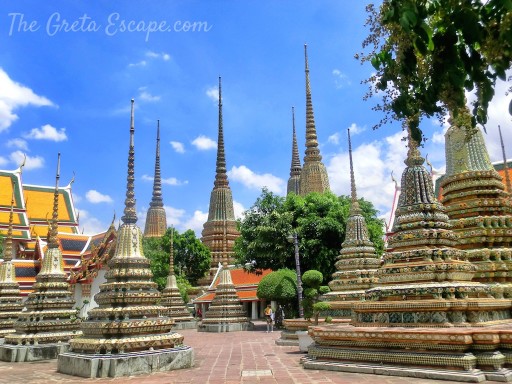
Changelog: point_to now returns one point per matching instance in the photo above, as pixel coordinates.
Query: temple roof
(245, 283)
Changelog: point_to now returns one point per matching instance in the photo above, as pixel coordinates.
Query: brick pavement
(227, 358)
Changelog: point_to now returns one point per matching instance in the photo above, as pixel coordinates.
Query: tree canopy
(280, 285)
(429, 52)
(191, 257)
(319, 221)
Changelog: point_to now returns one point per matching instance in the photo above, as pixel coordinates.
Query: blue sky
(67, 88)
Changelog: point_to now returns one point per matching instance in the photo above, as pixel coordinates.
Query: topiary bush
(312, 278)
(280, 285)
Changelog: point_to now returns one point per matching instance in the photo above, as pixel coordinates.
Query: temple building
(479, 208)
(226, 312)
(357, 264)
(49, 319)
(10, 296)
(32, 210)
(246, 285)
(313, 177)
(172, 300)
(425, 317)
(295, 168)
(156, 220)
(128, 333)
(220, 230)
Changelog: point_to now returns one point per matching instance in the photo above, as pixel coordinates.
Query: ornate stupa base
(288, 338)
(28, 353)
(125, 364)
(470, 354)
(225, 327)
(178, 325)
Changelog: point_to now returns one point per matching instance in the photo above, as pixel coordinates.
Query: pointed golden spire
(505, 165)
(354, 208)
(295, 168)
(130, 215)
(52, 238)
(413, 153)
(156, 201)
(8, 240)
(312, 151)
(221, 178)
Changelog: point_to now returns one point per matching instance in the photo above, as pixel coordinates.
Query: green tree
(280, 286)
(313, 288)
(319, 221)
(428, 53)
(191, 257)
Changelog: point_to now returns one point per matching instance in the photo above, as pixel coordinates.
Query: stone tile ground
(227, 358)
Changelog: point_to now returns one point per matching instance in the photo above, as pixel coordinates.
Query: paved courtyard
(236, 357)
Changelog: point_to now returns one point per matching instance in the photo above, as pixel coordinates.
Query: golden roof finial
(23, 163)
(52, 238)
(130, 214)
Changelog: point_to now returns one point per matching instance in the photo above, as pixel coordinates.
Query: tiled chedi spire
(220, 231)
(479, 208)
(156, 221)
(171, 297)
(422, 264)
(508, 182)
(128, 318)
(358, 262)
(313, 177)
(10, 296)
(225, 307)
(295, 168)
(50, 316)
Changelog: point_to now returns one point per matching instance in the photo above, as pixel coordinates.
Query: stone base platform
(472, 376)
(27, 353)
(125, 364)
(288, 338)
(184, 325)
(225, 327)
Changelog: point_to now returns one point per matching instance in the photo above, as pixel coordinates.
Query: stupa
(425, 318)
(313, 177)
(10, 295)
(220, 230)
(357, 262)
(295, 168)
(49, 319)
(479, 208)
(172, 300)
(225, 313)
(156, 220)
(127, 334)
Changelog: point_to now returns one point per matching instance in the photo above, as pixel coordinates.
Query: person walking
(269, 317)
(279, 316)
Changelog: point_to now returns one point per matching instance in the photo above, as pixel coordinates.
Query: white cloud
(96, 197)
(196, 222)
(18, 143)
(47, 132)
(90, 225)
(373, 163)
(3, 161)
(204, 143)
(356, 129)
(177, 146)
(141, 63)
(168, 181)
(238, 209)
(253, 180)
(340, 79)
(334, 139)
(213, 93)
(32, 162)
(13, 95)
(153, 55)
(144, 95)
